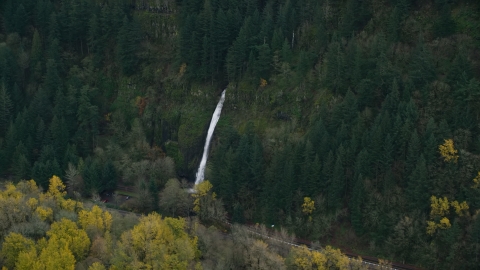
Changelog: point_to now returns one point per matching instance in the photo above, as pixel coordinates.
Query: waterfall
(216, 115)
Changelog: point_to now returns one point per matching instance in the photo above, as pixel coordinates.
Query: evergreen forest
(350, 123)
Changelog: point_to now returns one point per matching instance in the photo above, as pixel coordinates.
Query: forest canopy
(369, 109)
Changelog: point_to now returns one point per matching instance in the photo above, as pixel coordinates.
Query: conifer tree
(394, 25)
(365, 93)
(236, 56)
(375, 146)
(41, 16)
(92, 174)
(44, 168)
(460, 69)
(9, 144)
(277, 40)
(94, 40)
(335, 67)
(388, 151)
(413, 152)
(267, 26)
(221, 39)
(335, 189)
(8, 15)
(77, 26)
(21, 164)
(256, 165)
(127, 44)
(286, 186)
(348, 21)
(53, 29)
(316, 181)
(430, 142)
(263, 62)
(88, 118)
(429, 149)
(36, 52)
(105, 19)
(417, 190)
(59, 137)
(20, 20)
(39, 135)
(328, 166)
(206, 67)
(109, 176)
(71, 156)
(60, 109)
(307, 169)
(357, 198)
(393, 98)
(6, 107)
(444, 26)
(422, 69)
(185, 38)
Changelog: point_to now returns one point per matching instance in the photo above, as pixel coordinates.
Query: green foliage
(127, 45)
(6, 107)
(355, 99)
(444, 26)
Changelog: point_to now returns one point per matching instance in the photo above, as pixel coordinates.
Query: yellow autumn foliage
(448, 152)
(336, 259)
(202, 190)
(444, 223)
(304, 259)
(97, 266)
(32, 203)
(102, 220)
(10, 192)
(13, 244)
(57, 255)
(54, 255)
(431, 227)
(45, 213)
(263, 82)
(76, 239)
(439, 207)
(460, 208)
(329, 258)
(308, 206)
(68, 204)
(183, 68)
(476, 181)
(155, 243)
(32, 185)
(28, 260)
(56, 188)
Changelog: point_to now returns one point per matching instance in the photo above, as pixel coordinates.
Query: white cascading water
(216, 115)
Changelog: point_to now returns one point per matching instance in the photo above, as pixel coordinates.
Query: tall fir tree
(417, 189)
(127, 45)
(335, 189)
(6, 108)
(358, 194)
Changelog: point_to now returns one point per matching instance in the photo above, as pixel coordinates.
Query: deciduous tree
(448, 152)
(12, 246)
(74, 239)
(173, 198)
(156, 243)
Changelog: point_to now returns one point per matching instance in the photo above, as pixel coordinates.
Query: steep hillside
(369, 108)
